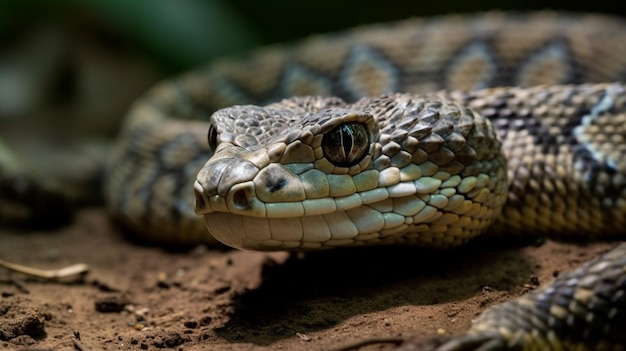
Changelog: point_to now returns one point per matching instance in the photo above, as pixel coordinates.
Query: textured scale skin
(563, 142)
(566, 164)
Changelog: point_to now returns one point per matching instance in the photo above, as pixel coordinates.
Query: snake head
(272, 164)
(305, 175)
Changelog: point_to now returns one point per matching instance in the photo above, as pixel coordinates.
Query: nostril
(240, 199)
(201, 200)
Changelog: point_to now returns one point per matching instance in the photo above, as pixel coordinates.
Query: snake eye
(212, 137)
(346, 144)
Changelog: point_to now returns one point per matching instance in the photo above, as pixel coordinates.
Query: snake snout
(219, 186)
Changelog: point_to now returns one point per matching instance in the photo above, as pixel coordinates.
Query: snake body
(544, 155)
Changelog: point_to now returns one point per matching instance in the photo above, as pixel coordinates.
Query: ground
(145, 298)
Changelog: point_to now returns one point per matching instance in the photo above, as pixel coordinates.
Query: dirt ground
(145, 298)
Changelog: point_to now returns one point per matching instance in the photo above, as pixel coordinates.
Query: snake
(426, 132)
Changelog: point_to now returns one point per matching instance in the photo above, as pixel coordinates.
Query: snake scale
(504, 124)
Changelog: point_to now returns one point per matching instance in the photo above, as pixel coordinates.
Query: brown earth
(146, 298)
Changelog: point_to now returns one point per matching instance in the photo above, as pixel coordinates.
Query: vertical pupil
(347, 141)
(345, 144)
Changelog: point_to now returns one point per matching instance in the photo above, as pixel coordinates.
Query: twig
(51, 274)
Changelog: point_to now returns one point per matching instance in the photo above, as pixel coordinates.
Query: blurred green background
(177, 34)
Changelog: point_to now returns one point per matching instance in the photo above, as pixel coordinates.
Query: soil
(142, 297)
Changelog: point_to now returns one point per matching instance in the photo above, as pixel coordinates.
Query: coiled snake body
(396, 167)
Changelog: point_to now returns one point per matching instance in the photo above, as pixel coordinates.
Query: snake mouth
(270, 234)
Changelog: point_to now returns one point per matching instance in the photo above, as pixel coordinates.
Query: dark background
(182, 33)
